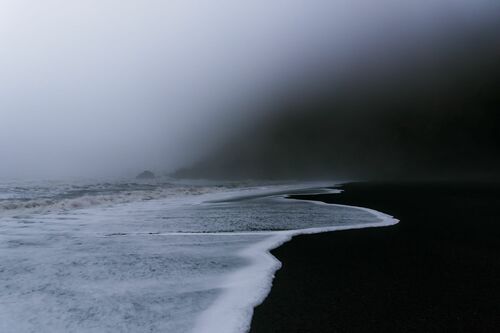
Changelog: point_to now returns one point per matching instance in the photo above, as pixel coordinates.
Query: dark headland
(438, 270)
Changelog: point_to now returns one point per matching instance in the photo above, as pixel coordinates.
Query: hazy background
(112, 87)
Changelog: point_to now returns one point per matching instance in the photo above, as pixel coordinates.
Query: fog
(113, 87)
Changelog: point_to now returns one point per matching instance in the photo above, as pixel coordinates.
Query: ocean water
(157, 256)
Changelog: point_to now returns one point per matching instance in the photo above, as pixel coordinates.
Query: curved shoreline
(247, 288)
(438, 271)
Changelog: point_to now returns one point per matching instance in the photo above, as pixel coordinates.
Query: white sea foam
(248, 287)
(196, 260)
(81, 197)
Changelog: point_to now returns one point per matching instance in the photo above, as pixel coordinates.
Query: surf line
(248, 287)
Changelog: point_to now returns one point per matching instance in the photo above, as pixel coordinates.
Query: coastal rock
(146, 175)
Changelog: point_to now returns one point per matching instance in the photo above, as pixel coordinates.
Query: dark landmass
(438, 270)
(416, 107)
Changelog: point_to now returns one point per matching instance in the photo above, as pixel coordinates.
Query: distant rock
(146, 175)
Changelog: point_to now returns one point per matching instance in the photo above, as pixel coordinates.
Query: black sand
(438, 270)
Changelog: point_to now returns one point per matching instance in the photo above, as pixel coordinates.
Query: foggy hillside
(248, 89)
(411, 110)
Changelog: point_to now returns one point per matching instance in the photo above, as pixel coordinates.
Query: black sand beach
(438, 270)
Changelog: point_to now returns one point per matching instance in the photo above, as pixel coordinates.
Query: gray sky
(103, 87)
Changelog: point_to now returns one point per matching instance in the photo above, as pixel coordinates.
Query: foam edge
(248, 287)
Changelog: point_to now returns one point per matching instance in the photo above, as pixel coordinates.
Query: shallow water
(163, 258)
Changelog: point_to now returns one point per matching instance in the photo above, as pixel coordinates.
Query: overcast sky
(103, 87)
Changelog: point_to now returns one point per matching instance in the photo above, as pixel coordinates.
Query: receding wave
(195, 260)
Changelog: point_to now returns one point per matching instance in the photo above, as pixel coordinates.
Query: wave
(54, 198)
(247, 288)
(198, 261)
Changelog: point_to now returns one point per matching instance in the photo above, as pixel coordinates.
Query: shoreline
(434, 271)
(253, 283)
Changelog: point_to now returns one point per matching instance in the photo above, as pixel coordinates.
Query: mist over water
(100, 88)
(94, 92)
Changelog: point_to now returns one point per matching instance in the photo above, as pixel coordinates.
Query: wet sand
(438, 270)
